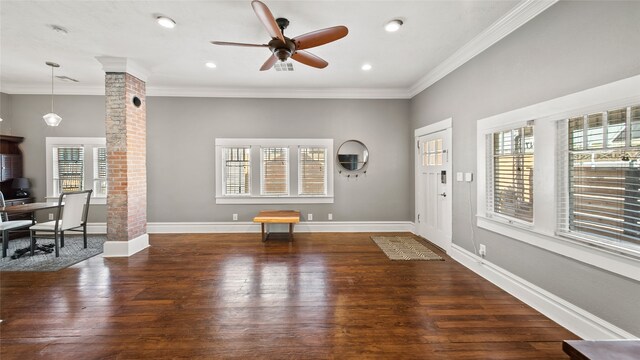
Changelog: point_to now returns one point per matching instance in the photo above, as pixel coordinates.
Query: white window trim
(255, 197)
(541, 233)
(51, 142)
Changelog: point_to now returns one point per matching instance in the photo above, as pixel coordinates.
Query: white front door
(433, 185)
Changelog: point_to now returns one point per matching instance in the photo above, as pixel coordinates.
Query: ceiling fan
(283, 47)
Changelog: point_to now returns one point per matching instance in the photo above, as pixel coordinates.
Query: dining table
(29, 208)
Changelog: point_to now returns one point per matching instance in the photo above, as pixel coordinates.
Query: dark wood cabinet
(10, 163)
(11, 166)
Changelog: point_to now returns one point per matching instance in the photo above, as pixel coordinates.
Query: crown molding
(291, 93)
(518, 16)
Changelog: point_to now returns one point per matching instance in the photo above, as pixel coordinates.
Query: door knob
(443, 194)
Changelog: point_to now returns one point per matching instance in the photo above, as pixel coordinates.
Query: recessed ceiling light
(211, 65)
(366, 67)
(393, 25)
(166, 22)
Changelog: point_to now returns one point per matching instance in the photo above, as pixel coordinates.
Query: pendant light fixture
(52, 119)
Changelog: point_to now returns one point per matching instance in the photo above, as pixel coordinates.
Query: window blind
(600, 172)
(69, 169)
(274, 177)
(510, 176)
(100, 171)
(237, 179)
(312, 171)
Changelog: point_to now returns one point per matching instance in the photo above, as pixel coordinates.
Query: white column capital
(123, 65)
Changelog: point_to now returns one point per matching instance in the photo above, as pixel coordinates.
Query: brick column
(126, 161)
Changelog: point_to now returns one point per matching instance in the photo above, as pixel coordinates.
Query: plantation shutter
(600, 175)
(510, 173)
(274, 179)
(237, 179)
(100, 171)
(312, 171)
(69, 169)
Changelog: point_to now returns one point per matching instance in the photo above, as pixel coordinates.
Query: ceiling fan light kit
(282, 48)
(52, 119)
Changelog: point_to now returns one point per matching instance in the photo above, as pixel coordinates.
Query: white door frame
(426, 130)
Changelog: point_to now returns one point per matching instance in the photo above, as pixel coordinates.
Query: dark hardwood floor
(230, 296)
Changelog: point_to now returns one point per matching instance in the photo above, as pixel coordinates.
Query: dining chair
(70, 215)
(6, 225)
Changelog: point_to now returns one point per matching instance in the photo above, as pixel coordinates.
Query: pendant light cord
(52, 89)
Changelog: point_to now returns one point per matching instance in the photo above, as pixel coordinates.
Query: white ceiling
(174, 59)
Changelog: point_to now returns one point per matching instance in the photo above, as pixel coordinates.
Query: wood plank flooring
(230, 296)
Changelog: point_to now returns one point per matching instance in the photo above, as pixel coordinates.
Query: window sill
(254, 200)
(95, 200)
(622, 262)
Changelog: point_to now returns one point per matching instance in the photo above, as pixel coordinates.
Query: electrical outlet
(483, 250)
(50, 216)
(310, 217)
(235, 217)
(330, 216)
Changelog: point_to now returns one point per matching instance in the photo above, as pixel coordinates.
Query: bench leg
(290, 231)
(264, 237)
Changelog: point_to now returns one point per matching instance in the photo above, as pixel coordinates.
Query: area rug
(72, 253)
(404, 248)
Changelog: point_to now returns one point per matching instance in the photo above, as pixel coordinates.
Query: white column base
(126, 248)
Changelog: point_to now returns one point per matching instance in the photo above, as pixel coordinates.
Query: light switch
(459, 176)
(468, 177)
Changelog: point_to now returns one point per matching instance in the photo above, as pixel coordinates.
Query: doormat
(404, 248)
(72, 253)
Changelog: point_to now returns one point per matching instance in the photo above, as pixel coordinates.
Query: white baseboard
(573, 318)
(126, 248)
(96, 228)
(306, 226)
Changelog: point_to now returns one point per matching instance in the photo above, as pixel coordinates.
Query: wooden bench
(277, 217)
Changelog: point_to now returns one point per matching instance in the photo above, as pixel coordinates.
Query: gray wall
(570, 47)
(181, 133)
(180, 150)
(5, 114)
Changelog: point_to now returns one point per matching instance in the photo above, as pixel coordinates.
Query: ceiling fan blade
(267, 19)
(320, 37)
(238, 44)
(269, 63)
(308, 58)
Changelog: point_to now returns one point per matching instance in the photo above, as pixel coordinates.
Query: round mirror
(353, 155)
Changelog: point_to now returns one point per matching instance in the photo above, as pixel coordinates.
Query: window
(100, 171)
(269, 180)
(431, 153)
(585, 186)
(69, 170)
(312, 171)
(237, 178)
(510, 176)
(274, 174)
(75, 164)
(601, 172)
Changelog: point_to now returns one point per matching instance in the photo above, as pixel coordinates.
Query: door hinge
(418, 144)
(418, 217)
